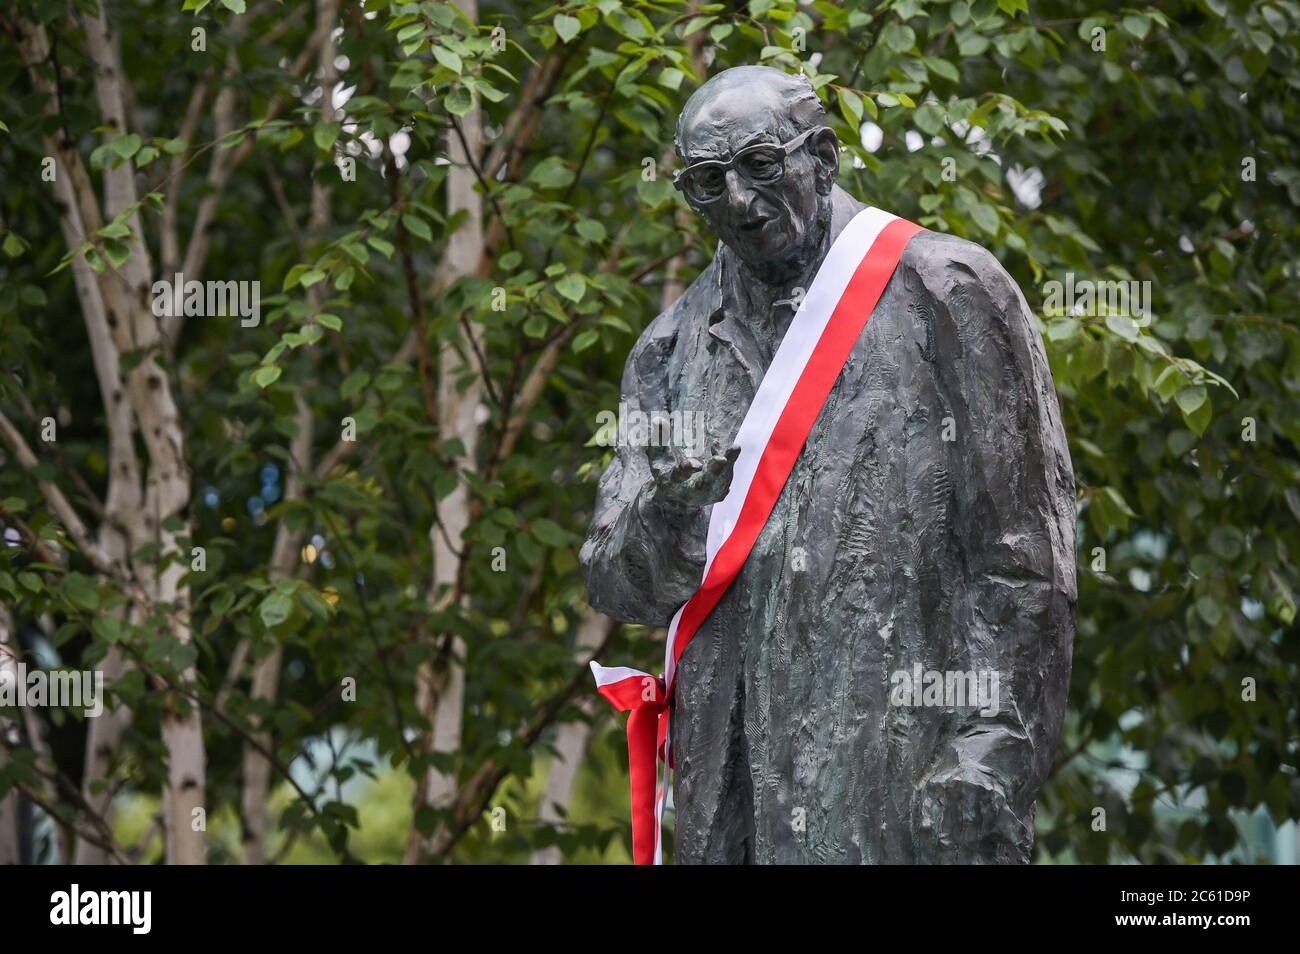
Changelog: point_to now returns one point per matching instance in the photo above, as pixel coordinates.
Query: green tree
(460, 216)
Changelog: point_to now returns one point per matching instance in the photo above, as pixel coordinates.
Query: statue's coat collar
(730, 306)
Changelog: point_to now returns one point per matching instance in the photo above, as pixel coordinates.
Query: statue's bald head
(775, 211)
(787, 101)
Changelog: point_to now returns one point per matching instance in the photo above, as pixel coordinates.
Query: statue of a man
(922, 544)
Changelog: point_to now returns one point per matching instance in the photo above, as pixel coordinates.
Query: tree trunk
(570, 745)
(103, 737)
(10, 737)
(458, 411)
(284, 554)
(167, 487)
(122, 527)
(266, 672)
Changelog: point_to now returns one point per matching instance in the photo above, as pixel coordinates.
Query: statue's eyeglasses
(763, 163)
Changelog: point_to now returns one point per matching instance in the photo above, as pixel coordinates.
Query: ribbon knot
(646, 698)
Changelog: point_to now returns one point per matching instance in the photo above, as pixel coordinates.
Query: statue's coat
(889, 546)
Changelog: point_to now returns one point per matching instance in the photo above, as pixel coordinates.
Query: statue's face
(761, 222)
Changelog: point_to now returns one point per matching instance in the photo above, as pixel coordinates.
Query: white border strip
(608, 675)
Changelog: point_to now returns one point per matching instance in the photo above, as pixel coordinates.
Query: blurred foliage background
(325, 158)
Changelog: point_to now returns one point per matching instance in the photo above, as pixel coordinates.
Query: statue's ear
(825, 148)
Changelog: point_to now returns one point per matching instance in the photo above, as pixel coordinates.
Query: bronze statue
(926, 531)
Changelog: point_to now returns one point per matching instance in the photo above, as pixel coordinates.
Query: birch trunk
(10, 737)
(457, 419)
(284, 553)
(122, 527)
(266, 672)
(167, 489)
(570, 745)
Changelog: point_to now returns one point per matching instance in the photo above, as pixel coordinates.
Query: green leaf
(1168, 382)
(109, 628)
(1190, 399)
(1062, 329)
(448, 59)
(274, 610)
(1226, 542)
(80, 590)
(293, 276)
(1201, 408)
(986, 217)
(1209, 610)
(1124, 326)
(572, 286)
(115, 230)
(589, 229)
(671, 78)
(117, 252)
(324, 135)
(458, 101)
(410, 31)
(126, 146)
(353, 384)
(566, 27)
(695, 24)
(417, 226)
(850, 106)
(549, 532)
(942, 68)
(222, 602)
(1136, 25)
(314, 603)
(234, 6)
(928, 118)
(551, 173)
(266, 375)
(898, 37)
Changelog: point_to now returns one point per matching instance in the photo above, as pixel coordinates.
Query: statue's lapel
(730, 321)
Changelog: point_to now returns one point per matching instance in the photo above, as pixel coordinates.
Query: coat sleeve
(1014, 525)
(641, 561)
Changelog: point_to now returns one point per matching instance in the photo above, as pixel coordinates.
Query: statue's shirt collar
(747, 314)
(734, 313)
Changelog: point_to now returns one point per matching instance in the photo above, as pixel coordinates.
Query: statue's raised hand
(684, 482)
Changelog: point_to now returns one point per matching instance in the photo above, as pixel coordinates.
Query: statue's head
(759, 163)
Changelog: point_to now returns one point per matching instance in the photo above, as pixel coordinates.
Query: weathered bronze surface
(929, 522)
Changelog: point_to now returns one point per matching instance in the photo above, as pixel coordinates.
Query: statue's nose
(739, 195)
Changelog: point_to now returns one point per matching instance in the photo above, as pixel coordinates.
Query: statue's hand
(965, 810)
(684, 483)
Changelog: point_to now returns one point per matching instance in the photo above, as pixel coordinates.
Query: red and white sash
(811, 356)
